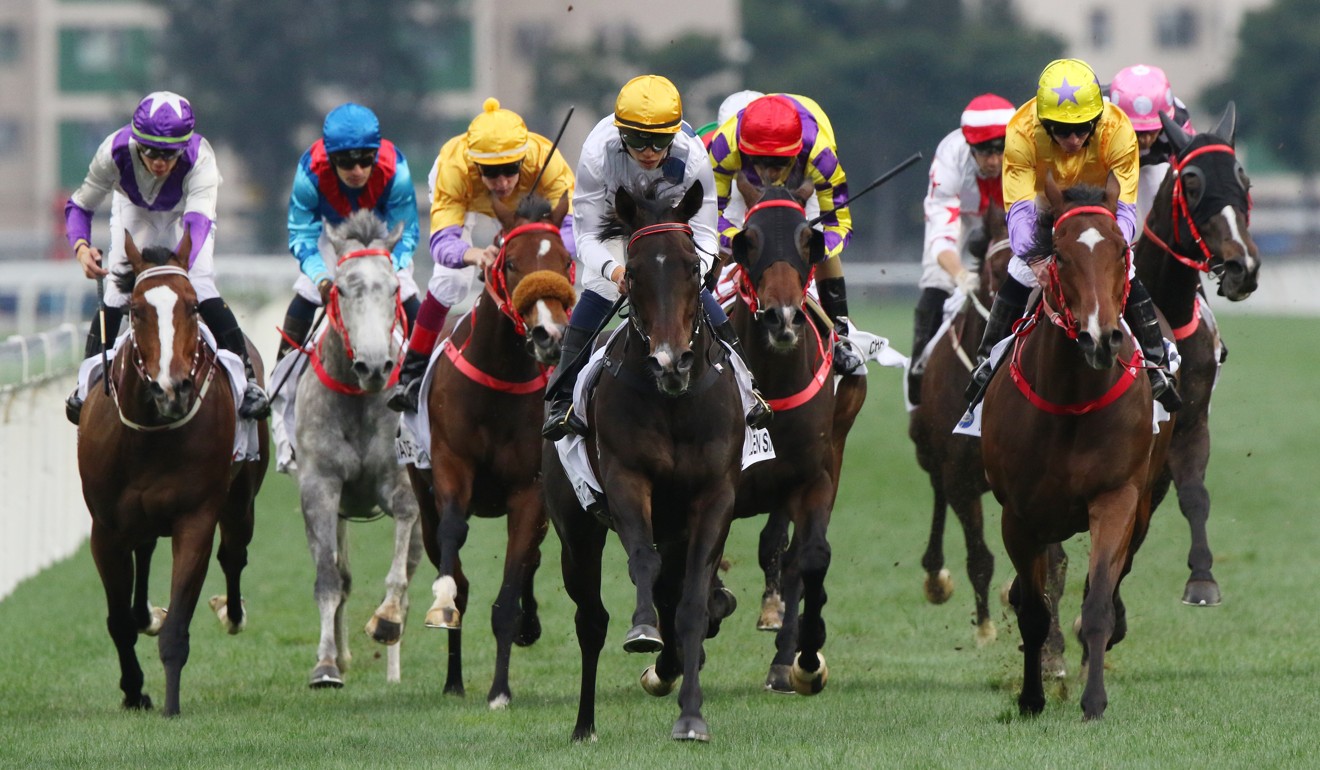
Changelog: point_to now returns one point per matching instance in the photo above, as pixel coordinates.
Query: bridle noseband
(1208, 262)
(334, 314)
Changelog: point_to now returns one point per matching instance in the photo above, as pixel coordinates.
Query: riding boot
(93, 347)
(406, 393)
(834, 300)
(220, 319)
(1003, 313)
(760, 414)
(1140, 316)
(925, 322)
(560, 419)
(295, 329)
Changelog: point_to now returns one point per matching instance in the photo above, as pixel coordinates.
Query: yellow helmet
(496, 136)
(649, 103)
(1068, 92)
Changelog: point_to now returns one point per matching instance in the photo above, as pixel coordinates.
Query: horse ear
(750, 194)
(740, 247)
(1227, 125)
(691, 203)
(804, 191)
(183, 252)
(1177, 137)
(395, 234)
(1112, 190)
(134, 256)
(811, 244)
(561, 211)
(1053, 194)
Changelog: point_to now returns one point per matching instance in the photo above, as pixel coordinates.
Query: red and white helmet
(986, 118)
(1143, 92)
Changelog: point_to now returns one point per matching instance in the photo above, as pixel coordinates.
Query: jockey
(349, 168)
(1070, 131)
(781, 140)
(163, 182)
(964, 180)
(497, 158)
(645, 141)
(1143, 92)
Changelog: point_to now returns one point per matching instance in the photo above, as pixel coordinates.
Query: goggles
(502, 169)
(1064, 130)
(354, 159)
(645, 140)
(990, 147)
(158, 153)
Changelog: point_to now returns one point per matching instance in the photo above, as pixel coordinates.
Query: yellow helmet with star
(649, 103)
(496, 136)
(1069, 92)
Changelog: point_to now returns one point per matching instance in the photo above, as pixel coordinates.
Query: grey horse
(347, 467)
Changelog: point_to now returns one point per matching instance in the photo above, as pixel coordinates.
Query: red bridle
(1061, 315)
(1180, 208)
(336, 318)
(497, 283)
(742, 282)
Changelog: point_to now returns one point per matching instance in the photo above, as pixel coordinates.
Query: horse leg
(386, 623)
(582, 539)
(770, 553)
(453, 491)
(1188, 457)
(939, 583)
(320, 505)
(780, 678)
(1052, 662)
(659, 679)
(526, 526)
(236, 525)
(115, 566)
(630, 502)
(454, 658)
(966, 503)
(708, 529)
(1112, 518)
(149, 619)
(341, 612)
(191, 543)
(1032, 606)
(809, 672)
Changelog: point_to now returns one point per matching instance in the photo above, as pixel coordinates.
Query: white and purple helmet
(163, 119)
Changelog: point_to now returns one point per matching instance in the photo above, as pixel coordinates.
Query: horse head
(663, 278)
(166, 349)
(532, 278)
(1087, 273)
(1210, 206)
(364, 306)
(777, 250)
(992, 262)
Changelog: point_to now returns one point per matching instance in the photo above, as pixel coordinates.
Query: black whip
(100, 314)
(885, 177)
(553, 147)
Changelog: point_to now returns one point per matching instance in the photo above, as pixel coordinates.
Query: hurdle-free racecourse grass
(1232, 686)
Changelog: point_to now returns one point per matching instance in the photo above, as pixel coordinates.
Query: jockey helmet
(735, 103)
(1068, 92)
(351, 127)
(496, 136)
(649, 103)
(986, 118)
(163, 119)
(770, 127)
(1143, 92)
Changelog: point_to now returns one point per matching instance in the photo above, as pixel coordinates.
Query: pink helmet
(986, 118)
(1143, 92)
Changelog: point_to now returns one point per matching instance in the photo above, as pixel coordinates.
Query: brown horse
(485, 404)
(155, 456)
(1197, 225)
(1067, 436)
(953, 461)
(665, 439)
(791, 358)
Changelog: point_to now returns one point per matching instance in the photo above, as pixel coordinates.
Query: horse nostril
(540, 337)
(654, 366)
(184, 388)
(799, 318)
(685, 361)
(1115, 339)
(155, 388)
(360, 369)
(389, 366)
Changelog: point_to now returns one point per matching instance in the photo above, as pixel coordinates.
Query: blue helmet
(351, 127)
(163, 119)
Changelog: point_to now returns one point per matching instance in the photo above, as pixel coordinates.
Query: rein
(1207, 263)
(335, 316)
(818, 377)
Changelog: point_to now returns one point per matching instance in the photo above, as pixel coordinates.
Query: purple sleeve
(447, 246)
(566, 232)
(1022, 226)
(1127, 220)
(197, 226)
(77, 224)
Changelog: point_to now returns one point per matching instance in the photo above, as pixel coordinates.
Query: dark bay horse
(485, 406)
(156, 459)
(791, 358)
(1197, 225)
(953, 461)
(1067, 435)
(665, 441)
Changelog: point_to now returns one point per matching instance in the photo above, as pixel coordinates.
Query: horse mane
(1043, 243)
(651, 200)
(363, 226)
(153, 255)
(534, 208)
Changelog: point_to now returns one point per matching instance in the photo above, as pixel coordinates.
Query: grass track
(1222, 687)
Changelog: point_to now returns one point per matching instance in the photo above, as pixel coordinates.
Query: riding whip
(885, 177)
(553, 147)
(100, 314)
(311, 335)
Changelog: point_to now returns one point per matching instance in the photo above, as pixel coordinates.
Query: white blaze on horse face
(163, 299)
(664, 355)
(544, 248)
(544, 318)
(1089, 238)
(1230, 216)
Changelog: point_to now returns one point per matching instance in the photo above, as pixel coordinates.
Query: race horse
(951, 460)
(1197, 225)
(344, 432)
(155, 452)
(665, 441)
(485, 405)
(1067, 434)
(791, 356)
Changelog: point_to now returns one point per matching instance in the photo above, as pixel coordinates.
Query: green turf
(1222, 687)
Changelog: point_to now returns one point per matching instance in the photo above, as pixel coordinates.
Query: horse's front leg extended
(629, 496)
(115, 566)
(236, 525)
(386, 623)
(191, 543)
(1029, 601)
(770, 553)
(809, 672)
(1112, 517)
(149, 619)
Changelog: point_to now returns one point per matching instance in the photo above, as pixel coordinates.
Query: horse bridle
(1209, 262)
(659, 229)
(745, 284)
(497, 282)
(1061, 315)
(336, 318)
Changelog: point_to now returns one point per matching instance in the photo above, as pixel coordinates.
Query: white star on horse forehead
(161, 98)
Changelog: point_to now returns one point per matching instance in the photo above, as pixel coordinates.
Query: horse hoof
(141, 703)
(384, 631)
(325, 676)
(498, 703)
(643, 638)
(779, 680)
(722, 604)
(986, 633)
(1202, 593)
(691, 729)
(772, 613)
(1004, 592)
(939, 587)
(809, 682)
(654, 685)
(158, 615)
(444, 618)
(529, 632)
(220, 606)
